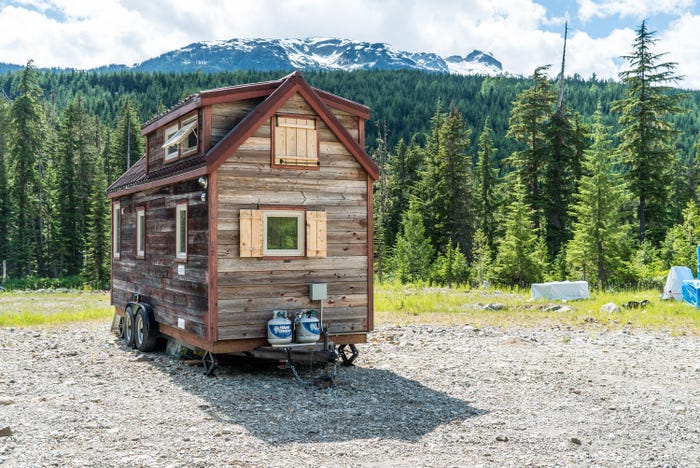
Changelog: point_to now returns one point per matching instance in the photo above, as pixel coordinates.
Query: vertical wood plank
(316, 234)
(251, 233)
(291, 141)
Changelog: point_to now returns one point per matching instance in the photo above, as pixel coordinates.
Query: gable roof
(276, 93)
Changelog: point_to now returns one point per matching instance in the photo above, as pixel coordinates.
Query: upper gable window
(296, 141)
(181, 139)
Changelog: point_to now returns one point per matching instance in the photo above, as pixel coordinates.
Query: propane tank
(279, 328)
(307, 326)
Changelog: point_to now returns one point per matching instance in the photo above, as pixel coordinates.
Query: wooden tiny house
(246, 196)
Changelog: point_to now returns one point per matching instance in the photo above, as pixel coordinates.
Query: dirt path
(419, 396)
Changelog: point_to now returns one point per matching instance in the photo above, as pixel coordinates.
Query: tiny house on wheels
(250, 199)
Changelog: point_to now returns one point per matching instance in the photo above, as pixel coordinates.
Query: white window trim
(140, 232)
(116, 230)
(191, 125)
(170, 132)
(301, 229)
(180, 255)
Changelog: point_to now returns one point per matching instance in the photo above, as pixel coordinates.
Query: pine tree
(4, 199)
(413, 254)
(402, 177)
(598, 248)
(487, 203)
(531, 111)
(446, 187)
(517, 259)
(127, 144)
(451, 267)
(647, 136)
(25, 150)
(680, 244)
(482, 258)
(382, 204)
(96, 270)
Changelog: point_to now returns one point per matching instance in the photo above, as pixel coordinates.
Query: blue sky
(522, 34)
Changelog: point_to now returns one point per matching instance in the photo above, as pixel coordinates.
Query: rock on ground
(418, 396)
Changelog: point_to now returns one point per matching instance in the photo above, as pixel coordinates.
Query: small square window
(283, 233)
(171, 150)
(181, 139)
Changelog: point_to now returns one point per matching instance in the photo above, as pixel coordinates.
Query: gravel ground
(418, 396)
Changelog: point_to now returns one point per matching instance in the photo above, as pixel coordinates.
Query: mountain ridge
(313, 53)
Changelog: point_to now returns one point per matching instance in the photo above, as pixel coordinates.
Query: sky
(522, 34)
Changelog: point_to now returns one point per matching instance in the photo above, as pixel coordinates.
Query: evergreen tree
(487, 202)
(76, 161)
(25, 150)
(647, 136)
(4, 199)
(529, 115)
(382, 205)
(450, 267)
(680, 244)
(482, 258)
(97, 253)
(413, 254)
(600, 232)
(517, 259)
(402, 176)
(447, 185)
(127, 144)
(558, 181)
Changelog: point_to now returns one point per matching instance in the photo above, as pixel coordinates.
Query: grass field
(403, 305)
(52, 308)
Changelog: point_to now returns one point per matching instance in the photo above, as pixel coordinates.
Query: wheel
(128, 327)
(348, 356)
(145, 336)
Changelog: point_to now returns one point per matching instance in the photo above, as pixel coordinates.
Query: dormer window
(181, 139)
(296, 141)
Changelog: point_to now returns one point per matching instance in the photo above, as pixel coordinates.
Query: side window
(171, 149)
(296, 141)
(116, 230)
(140, 232)
(181, 139)
(181, 231)
(282, 233)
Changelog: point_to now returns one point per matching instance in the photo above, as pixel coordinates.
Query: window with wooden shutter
(316, 234)
(296, 141)
(250, 232)
(282, 233)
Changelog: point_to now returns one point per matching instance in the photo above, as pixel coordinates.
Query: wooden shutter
(251, 233)
(316, 234)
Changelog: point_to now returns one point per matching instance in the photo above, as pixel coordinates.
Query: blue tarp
(691, 292)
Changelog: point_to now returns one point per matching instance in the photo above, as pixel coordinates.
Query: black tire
(145, 335)
(128, 327)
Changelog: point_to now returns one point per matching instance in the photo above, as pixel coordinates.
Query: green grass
(25, 309)
(401, 304)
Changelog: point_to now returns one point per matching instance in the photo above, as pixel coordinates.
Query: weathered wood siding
(250, 288)
(226, 116)
(156, 277)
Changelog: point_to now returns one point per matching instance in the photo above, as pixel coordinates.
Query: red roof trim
(171, 115)
(346, 105)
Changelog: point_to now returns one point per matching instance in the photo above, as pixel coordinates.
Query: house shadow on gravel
(362, 404)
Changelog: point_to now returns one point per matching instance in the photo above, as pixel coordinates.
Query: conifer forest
(483, 179)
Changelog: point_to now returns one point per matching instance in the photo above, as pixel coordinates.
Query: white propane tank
(279, 328)
(307, 327)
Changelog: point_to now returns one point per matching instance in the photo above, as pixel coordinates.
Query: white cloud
(681, 43)
(86, 33)
(639, 9)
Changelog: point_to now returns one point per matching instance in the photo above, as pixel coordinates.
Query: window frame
(169, 155)
(141, 232)
(116, 230)
(300, 215)
(303, 163)
(183, 139)
(181, 255)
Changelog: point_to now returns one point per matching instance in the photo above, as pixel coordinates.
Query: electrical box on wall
(318, 291)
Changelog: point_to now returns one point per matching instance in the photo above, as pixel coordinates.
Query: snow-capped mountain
(313, 54)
